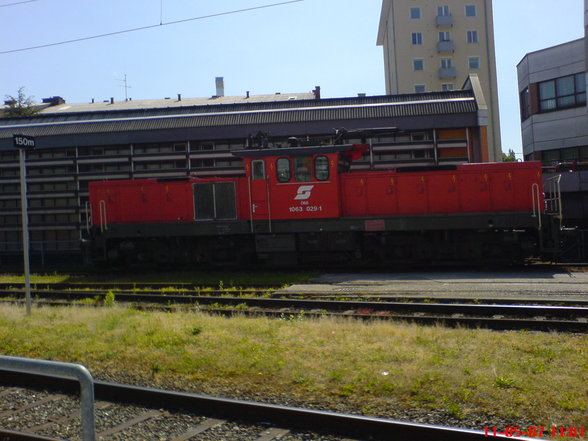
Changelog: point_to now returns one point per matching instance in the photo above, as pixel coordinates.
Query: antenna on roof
(126, 86)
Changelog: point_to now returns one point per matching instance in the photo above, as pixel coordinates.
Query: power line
(17, 3)
(109, 34)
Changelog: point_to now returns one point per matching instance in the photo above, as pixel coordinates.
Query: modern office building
(79, 143)
(554, 119)
(432, 46)
(554, 114)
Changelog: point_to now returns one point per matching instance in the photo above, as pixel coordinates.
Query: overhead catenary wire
(142, 28)
(18, 3)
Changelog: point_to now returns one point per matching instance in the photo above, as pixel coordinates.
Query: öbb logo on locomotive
(304, 192)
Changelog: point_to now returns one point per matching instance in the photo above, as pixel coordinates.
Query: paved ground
(519, 283)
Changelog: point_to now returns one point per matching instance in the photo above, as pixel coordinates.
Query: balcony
(445, 46)
(444, 21)
(446, 73)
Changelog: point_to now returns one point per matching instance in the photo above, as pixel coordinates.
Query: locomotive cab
(296, 182)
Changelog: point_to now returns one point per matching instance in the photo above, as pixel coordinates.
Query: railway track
(137, 290)
(498, 314)
(49, 411)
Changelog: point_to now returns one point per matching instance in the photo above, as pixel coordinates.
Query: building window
(417, 38)
(472, 36)
(418, 64)
(525, 102)
(562, 93)
(470, 10)
(445, 36)
(446, 63)
(446, 87)
(415, 13)
(474, 62)
(443, 11)
(420, 88)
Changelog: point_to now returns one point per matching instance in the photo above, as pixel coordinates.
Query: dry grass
(540, 377)
(214, 277)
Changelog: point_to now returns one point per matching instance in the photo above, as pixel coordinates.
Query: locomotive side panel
(139, 201)
(510, 186)
(150, 201)
(467, 189)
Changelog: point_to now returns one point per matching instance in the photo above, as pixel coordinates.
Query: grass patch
(222, 279)
(541, 377)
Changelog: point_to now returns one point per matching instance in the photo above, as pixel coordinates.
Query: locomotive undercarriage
(302, 244)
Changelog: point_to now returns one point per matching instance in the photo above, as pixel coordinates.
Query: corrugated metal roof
(167, 103)
(293, 111)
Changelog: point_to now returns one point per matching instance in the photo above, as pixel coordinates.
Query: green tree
(20, 105)
(510, 157)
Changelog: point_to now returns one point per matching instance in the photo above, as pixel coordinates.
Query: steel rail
(184, 290)
(130, 286)
(496, 324)
(345, 425)
(10, 435)
(333, 305)
(410, 297)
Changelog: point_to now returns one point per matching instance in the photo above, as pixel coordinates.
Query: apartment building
(434, 46)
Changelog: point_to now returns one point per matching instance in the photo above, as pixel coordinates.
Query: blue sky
(289, 48)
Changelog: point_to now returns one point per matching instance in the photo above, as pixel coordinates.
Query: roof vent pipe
(111, 100)
(179, 97)
(220, 86)
(317, 92)
(247, 94)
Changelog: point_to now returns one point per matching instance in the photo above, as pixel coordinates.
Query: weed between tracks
(535, 377)
(218, 278)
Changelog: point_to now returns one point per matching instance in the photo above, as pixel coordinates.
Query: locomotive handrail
(536, 197)
(250, 203)
(553, 198)
(103, 218)
(89, 224)
(269, 206)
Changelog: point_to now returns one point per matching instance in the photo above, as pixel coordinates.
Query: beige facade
(433, 46)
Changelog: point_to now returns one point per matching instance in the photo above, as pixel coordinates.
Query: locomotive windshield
(283, 169)
(321, 168)
(303, 168)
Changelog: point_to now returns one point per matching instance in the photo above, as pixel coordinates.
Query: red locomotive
(304, 205)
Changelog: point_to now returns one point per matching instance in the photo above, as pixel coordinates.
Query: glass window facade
(562, 93)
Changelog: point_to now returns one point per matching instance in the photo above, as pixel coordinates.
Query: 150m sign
(24, 142)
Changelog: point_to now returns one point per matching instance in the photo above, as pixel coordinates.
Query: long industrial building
(79, 143)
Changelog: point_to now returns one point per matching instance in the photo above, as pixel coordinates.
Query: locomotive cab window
(283, 170)
(258, 169)
(303, 167)
(321, 168)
